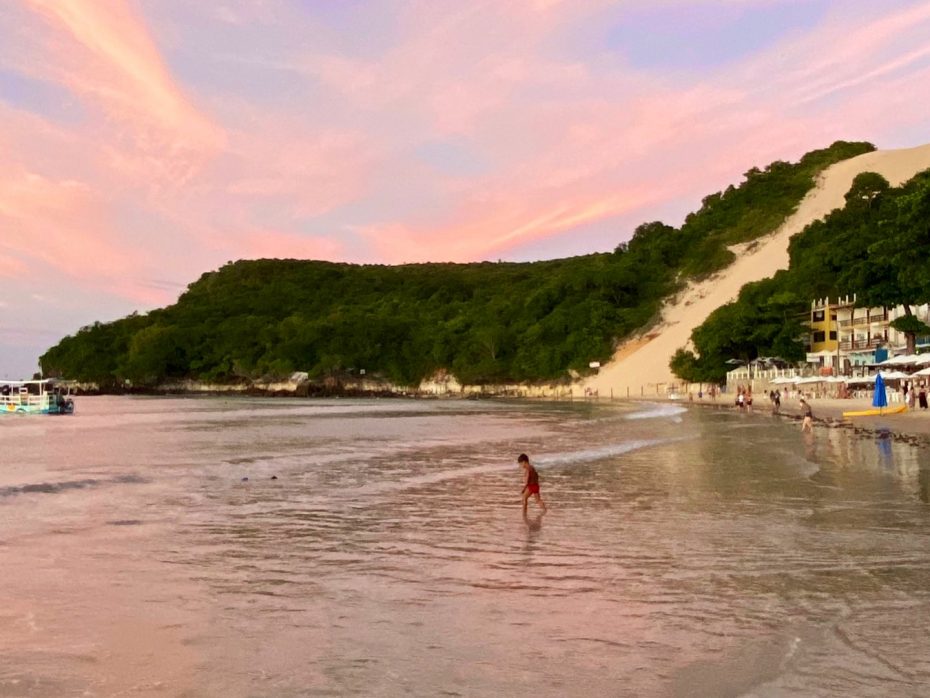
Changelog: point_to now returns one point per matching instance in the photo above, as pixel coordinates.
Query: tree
(893, 271)
(153, 355)
(762, 321)
(866, 188)
(911, 326)
(683, 365)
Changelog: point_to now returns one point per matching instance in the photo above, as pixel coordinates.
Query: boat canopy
(37, 381)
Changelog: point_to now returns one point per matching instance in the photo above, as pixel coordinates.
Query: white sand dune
(641, 365)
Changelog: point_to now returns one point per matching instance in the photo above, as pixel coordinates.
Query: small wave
(658, 411)
(593, 454)
(47, 487)
(545, 461)
(56, 487)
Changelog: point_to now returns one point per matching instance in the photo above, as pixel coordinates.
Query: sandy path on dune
(641, 365)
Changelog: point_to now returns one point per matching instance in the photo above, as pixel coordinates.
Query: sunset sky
(144, 142)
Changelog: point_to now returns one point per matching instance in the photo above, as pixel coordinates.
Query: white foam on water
(544, 462)
(657, 411)
(593, 454)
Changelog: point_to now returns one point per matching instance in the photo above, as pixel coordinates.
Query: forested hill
(484, 322)
(875, 247)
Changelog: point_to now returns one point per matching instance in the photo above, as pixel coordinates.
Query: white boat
(46, 396)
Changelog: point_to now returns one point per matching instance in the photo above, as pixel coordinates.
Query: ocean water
(685, 552)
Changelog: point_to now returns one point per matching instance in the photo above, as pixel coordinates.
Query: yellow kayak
(877, 412)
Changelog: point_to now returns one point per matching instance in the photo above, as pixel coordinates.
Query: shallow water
(685, 553)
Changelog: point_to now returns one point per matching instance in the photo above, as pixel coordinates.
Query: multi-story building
(823, 335)
(844, 335)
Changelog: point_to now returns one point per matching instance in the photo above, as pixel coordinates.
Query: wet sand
(913, 424)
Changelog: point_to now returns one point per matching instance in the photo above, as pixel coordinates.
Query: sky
(146, 142)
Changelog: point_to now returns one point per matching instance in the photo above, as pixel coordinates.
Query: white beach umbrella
(781, 380)
(858, 380)
(894, 375)
(922, 372)
(902, 360)
(922, 359)
(811, 379)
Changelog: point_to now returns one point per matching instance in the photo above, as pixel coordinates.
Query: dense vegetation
(876, 247)
(483, 322)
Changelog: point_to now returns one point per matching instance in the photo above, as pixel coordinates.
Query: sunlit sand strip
(644, 369)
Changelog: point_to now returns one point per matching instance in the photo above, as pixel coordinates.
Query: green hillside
(875, 247)
(484, 322)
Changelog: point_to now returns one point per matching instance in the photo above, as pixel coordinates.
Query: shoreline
(911, 427)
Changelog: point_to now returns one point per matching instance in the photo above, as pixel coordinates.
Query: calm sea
(685, 553)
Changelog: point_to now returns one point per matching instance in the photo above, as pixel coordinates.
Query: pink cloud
(847, 51)
(307, 175)
(102, 51)
(62, 226)
(481, 229)
(429, 66)
(12, 268)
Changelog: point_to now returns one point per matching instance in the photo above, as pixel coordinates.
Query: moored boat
(46, 396)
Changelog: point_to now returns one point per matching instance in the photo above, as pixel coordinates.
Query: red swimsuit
(532, 480)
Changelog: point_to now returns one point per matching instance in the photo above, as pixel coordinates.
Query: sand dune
(641, 365)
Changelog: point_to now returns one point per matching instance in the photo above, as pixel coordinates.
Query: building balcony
(857, 344)
(873, 319)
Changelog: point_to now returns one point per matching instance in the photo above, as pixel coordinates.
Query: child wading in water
(530, 482)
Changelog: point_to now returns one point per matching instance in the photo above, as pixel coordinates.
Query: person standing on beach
(808, 423)
(530, 483)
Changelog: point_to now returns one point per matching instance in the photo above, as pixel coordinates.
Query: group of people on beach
(914, 395)
(744, 397)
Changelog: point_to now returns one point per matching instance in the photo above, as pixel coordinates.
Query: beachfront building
(824, 337)
(844, 335)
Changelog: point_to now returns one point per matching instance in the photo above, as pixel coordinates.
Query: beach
(828, 412)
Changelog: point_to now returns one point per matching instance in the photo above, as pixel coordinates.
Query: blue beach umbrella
(879, 399)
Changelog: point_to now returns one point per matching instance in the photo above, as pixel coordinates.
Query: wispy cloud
(11, 268)
(61, 226)
(102, 52)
